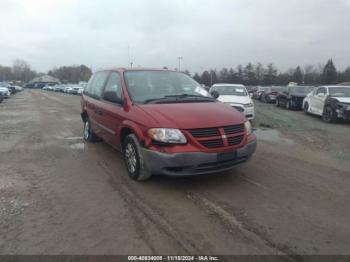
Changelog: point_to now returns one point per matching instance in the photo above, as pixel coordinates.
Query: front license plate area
(222, 157)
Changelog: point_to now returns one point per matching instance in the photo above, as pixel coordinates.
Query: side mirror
(112, 97)
(215, 94)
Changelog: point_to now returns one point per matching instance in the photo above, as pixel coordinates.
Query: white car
(80, 90)
(5, 92)
(68, 89)
(330, 102)
(237, 96)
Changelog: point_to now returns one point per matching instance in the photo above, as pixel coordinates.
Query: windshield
(230, 90)
(339, 91)
(144, 86)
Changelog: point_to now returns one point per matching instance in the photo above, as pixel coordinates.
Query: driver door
(318, 100)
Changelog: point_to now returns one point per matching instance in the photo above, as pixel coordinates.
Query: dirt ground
(59, 195)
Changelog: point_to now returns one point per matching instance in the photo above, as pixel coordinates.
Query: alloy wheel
(86, 130)
(131, 157)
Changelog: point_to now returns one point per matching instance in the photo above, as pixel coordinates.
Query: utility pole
(130, 63)
(180, 58)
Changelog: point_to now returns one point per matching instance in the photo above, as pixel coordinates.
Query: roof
(223, 84)
(124, 69)
(336, 86)
(45, 79)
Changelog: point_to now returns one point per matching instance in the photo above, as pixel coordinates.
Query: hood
(4, 89)
(235, 99)
(343, 99)
(193, 115)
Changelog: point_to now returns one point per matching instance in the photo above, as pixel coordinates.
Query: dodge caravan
(164, 122)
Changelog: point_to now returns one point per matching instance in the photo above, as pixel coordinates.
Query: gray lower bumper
(196, 163)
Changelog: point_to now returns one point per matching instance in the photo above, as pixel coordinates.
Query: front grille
(229, 130)
(215, 143)
(204, 132)
(212, 138)
(234, 141)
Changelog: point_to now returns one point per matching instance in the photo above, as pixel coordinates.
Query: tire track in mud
(230, 221)
(150, 213)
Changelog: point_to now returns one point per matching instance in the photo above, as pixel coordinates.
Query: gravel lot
(59, 195)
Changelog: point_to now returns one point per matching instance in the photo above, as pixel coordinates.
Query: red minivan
(164, 122)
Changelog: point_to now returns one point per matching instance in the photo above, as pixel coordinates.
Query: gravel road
(59, 195)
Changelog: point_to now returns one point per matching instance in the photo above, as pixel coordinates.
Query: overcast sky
(207, 34)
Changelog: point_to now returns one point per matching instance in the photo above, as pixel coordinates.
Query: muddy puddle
(272, 135)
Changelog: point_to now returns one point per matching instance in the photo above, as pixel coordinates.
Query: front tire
(306, 108)
(288, 105)
(88, 133)
(329, 115)
(134, 159)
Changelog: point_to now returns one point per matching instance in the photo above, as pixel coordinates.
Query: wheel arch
(130, 128)
(84, 116)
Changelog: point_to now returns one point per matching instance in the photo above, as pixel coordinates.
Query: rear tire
(329, 115)
(88, 133)
(278, 103)
(134, 159)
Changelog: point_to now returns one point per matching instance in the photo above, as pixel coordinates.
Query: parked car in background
(163, 123)
(18, 88)
(236, 96)
(80, 90)
(59, 88)
(5, 92)
(330, 102)
(257, 92)
(292, 97)
(269, 94)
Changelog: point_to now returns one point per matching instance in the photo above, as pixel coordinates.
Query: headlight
(248, 128)
(340, 105)
(249, 105)
(167, 135)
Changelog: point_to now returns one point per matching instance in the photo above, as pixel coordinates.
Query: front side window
(321, 90)
(98, 83)
(114, 85)
(145, 86)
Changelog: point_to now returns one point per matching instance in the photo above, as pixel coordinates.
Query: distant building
(41, 81)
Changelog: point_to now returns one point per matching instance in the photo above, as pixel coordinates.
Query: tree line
(259, 74)
(250, 74)
(21, 71)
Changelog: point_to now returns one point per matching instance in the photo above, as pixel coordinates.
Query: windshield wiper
(188, 95)
(177, 98)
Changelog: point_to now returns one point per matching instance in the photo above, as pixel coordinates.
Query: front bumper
(194, 163)
(344, 113)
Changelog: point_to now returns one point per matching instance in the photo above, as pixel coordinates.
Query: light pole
(180, 58)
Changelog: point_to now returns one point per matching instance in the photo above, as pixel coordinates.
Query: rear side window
(96, 84)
